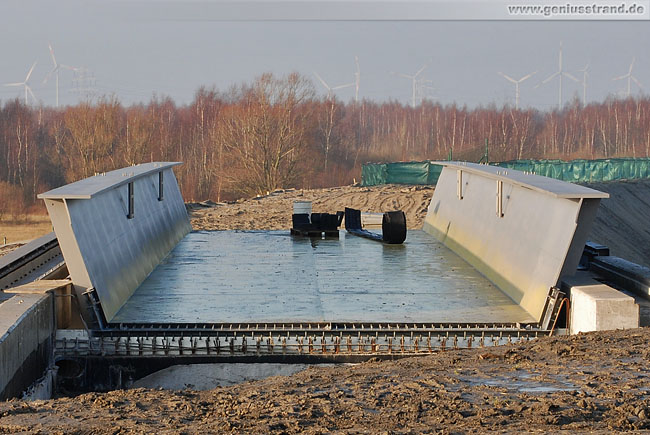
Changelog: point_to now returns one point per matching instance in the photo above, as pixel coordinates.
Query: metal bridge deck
(271, 276)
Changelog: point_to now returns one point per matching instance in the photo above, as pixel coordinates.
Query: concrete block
(598, 307)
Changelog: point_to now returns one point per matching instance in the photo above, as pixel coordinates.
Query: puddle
(521, 382)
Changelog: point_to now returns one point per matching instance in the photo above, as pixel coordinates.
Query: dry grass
(24, 229)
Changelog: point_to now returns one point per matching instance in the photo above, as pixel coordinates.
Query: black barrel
(393, 227)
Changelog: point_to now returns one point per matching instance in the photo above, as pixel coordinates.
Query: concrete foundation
(67, 313)
(599, 307)
(27, 326)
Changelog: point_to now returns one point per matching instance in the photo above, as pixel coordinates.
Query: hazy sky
(171, 48)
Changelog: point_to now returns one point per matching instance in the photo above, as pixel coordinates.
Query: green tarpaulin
(584, 171)
(373, 174)
(408, 173)
(575, 171)
(400, 173)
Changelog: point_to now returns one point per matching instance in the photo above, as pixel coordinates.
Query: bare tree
(265, 133)
(329, 115)
(92, 139)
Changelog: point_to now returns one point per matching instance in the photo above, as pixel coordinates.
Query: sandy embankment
(273, 212)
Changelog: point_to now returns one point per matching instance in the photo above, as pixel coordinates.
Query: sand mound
(273, 212)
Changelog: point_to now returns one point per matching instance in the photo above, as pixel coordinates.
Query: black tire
(316, 219)
(352, 219)
(300, 221)
(393, 227)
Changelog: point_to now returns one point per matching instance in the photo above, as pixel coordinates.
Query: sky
(134, 50)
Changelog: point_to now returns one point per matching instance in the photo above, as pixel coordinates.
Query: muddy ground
(591, 382)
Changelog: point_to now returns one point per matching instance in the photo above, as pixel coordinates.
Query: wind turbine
(424, 86)
(414, 82)
(559, 73)
(55, 70)
(357, 79)
(517, 82)
(25, 84)
(331, 88)
(585, 73)
(629, 78)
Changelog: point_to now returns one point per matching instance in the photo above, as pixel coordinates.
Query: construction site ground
(592, 382)
(589, 382)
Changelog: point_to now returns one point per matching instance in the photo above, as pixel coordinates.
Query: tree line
(275, 132)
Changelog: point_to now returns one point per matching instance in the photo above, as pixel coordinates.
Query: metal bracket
(499, 198)
(96, 305)
(552, 307)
